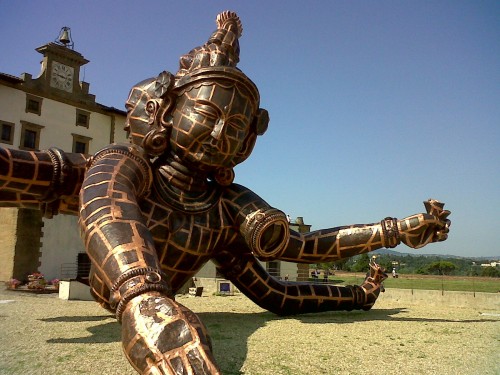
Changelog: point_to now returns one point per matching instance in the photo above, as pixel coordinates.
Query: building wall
(60, 246)
(58, 120)
(61, 240)
(23, 247)
(8, 226)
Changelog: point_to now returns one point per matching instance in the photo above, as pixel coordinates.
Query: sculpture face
(211, 122)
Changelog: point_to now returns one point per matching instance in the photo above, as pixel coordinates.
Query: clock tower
(60, 70)
(61, 76)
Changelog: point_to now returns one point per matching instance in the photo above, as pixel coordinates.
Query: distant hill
(398, 253)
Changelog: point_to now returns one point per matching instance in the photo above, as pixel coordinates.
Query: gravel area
(42, 334)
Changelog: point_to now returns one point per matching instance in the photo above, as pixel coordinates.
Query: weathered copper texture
(47, 180)
(152, 213)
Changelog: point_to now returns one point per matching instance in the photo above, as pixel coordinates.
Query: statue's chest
(181, 233)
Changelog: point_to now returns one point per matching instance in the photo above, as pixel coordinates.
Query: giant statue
(154, 211)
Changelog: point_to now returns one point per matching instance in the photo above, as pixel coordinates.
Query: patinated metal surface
(153, 212)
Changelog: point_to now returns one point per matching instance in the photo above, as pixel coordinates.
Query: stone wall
(19, 242)
(487, 301)
(27, 252)
(8, 228)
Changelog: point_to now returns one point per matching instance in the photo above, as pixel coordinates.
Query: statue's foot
(372, 286)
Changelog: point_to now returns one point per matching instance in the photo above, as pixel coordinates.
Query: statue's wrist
(259, 225)
(134, 283)
(390, 233)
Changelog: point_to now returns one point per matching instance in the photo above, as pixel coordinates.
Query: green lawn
(450, 283)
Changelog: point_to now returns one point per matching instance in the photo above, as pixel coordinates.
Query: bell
(64, 36)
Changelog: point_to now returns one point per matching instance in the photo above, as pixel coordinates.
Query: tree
(341, 265)
(422, 271)
(441, 267)
(362, 263)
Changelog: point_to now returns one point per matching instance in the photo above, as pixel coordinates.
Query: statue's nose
(218, 130)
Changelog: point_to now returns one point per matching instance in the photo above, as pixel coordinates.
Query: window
(81, 144)
(34, 104)
(7, 132)
(82, 118)
(80, 147)
(30, 136)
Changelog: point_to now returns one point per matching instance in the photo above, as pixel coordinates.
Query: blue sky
(374, 106)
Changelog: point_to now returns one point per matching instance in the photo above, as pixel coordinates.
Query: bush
(490, 272)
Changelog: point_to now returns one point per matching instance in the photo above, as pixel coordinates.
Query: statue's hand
(160, 336)
(418, 230)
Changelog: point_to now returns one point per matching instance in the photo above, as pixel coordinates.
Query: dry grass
(41, 334)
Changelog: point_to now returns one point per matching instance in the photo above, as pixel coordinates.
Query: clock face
(62, 76)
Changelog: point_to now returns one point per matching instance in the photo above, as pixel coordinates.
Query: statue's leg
(288, 298)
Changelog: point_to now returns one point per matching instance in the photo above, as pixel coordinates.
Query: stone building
(55, 109)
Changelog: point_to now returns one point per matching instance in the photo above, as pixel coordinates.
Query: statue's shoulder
(236, 189)
(125, 149)
(240, 196)
(139, 162)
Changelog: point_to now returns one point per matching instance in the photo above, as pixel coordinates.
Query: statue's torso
(189, 233)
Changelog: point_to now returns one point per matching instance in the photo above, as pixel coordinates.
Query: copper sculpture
(153, 212)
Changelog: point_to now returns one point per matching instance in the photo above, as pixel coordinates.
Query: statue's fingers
(433, 207)
(444, 214)
(441, 236)
(428, 206)
(442, 225)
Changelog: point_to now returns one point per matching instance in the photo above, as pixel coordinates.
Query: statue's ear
(158, 109)
(261, 121)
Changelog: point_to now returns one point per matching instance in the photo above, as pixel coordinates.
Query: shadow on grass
(77, 319)
(230, 331)
(100, 334)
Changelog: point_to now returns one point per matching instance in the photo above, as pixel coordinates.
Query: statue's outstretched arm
(49, 180)
(339, 243)
(268, 236)
(288, 298)
(159, 335)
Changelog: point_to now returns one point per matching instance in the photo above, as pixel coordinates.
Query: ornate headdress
(222, 48)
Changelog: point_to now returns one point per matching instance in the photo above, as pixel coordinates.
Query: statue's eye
(238, 123)
(206, 110)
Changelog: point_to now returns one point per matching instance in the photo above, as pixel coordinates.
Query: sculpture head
(208, 114)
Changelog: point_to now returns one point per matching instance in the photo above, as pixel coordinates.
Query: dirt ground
(42, 334)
